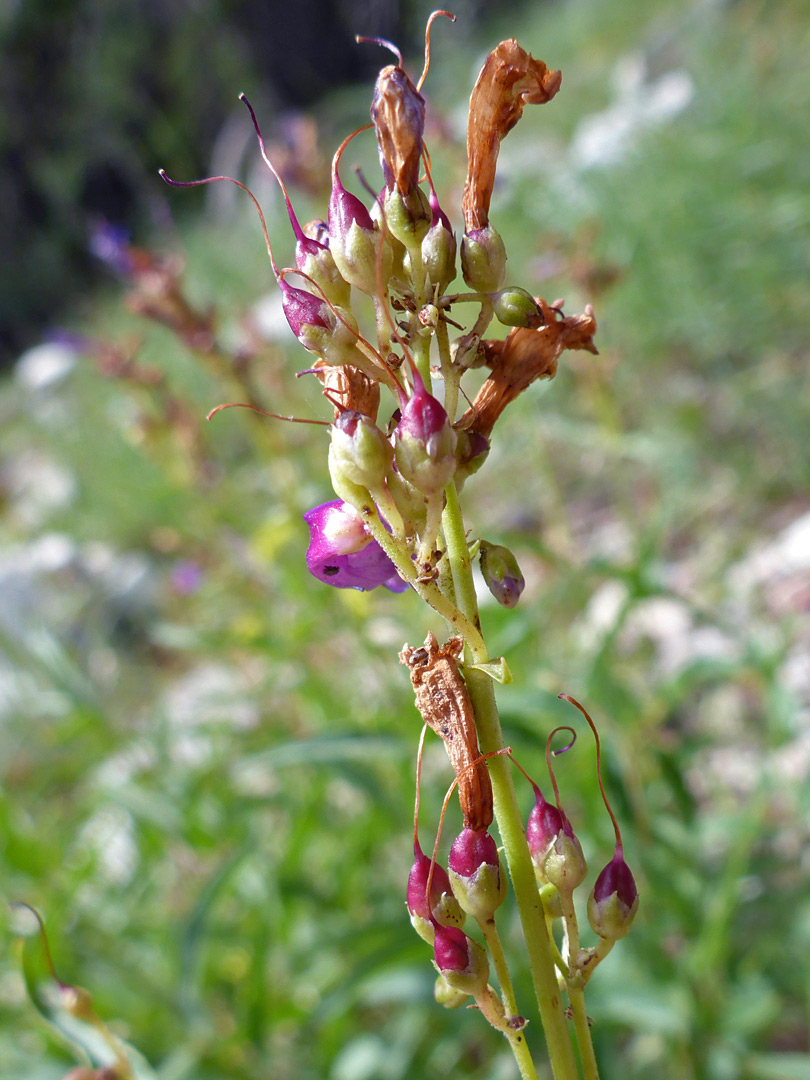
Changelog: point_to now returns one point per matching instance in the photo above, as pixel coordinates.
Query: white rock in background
(45, 365)
(605, 138)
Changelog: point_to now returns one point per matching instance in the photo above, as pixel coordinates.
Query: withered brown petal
(510, 79)
(398, 112)
(524, 356)
(444, 702)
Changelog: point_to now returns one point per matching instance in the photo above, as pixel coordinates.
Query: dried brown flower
(398, 112)
(525, 355)
(509, 79)
(444, 702)
(348, 388)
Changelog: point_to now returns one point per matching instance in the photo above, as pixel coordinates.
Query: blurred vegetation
(207, 756)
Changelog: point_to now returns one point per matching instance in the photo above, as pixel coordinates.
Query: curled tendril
(296, 227)
(417, 798)
(263, 412)
(592, 725)
(383, 43)
(339, 152)
(553, 753)
(433, 16)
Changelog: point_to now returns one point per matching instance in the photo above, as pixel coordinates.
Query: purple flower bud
(475, 873)
(345, 210)
(460, 960)
(353, 241)
(471, 850)
(438, 215)
(613, 903)
(501, 573)
(443, 908)
(302, 311)
(555, 850)
(342, 553)
(472, 450)
(425, 442)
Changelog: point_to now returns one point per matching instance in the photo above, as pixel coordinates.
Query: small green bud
(445, 994)
(319, 264)
(483, 259)
(355, 254)
(439, 256)
(565, 864)
(359, 450)
(407, 217)
(514, 306)
(501, 573)
(472, 450)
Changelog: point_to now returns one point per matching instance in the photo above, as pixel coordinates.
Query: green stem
(492, 1009)
(582, 1028)
(507, 810)
(493, 940)
(400, 557)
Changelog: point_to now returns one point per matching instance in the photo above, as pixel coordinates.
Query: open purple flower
(342, 553)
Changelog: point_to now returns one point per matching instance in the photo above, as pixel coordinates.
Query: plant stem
(507, 811)
(493, 940)
(576, 998)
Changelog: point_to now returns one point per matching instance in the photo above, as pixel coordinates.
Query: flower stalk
(398, 521)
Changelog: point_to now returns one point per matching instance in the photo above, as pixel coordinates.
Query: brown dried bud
(524, 356)
(347, 387)
(398, 112)
(444, 702)
(509, 79)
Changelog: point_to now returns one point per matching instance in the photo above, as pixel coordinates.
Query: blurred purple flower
(110, 244)
(341, 552)
(186, 577)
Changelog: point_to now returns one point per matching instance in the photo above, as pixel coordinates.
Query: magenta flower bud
(556, 852)
(483, 259)
(475, 874)
(305, 313)
(613, 902)
(501, 573)
(345, 210)
(424, 441)
(444, 908)
(461, 961)
(353, 241)
(339, 556)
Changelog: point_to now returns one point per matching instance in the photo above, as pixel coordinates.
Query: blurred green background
(207, 756)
